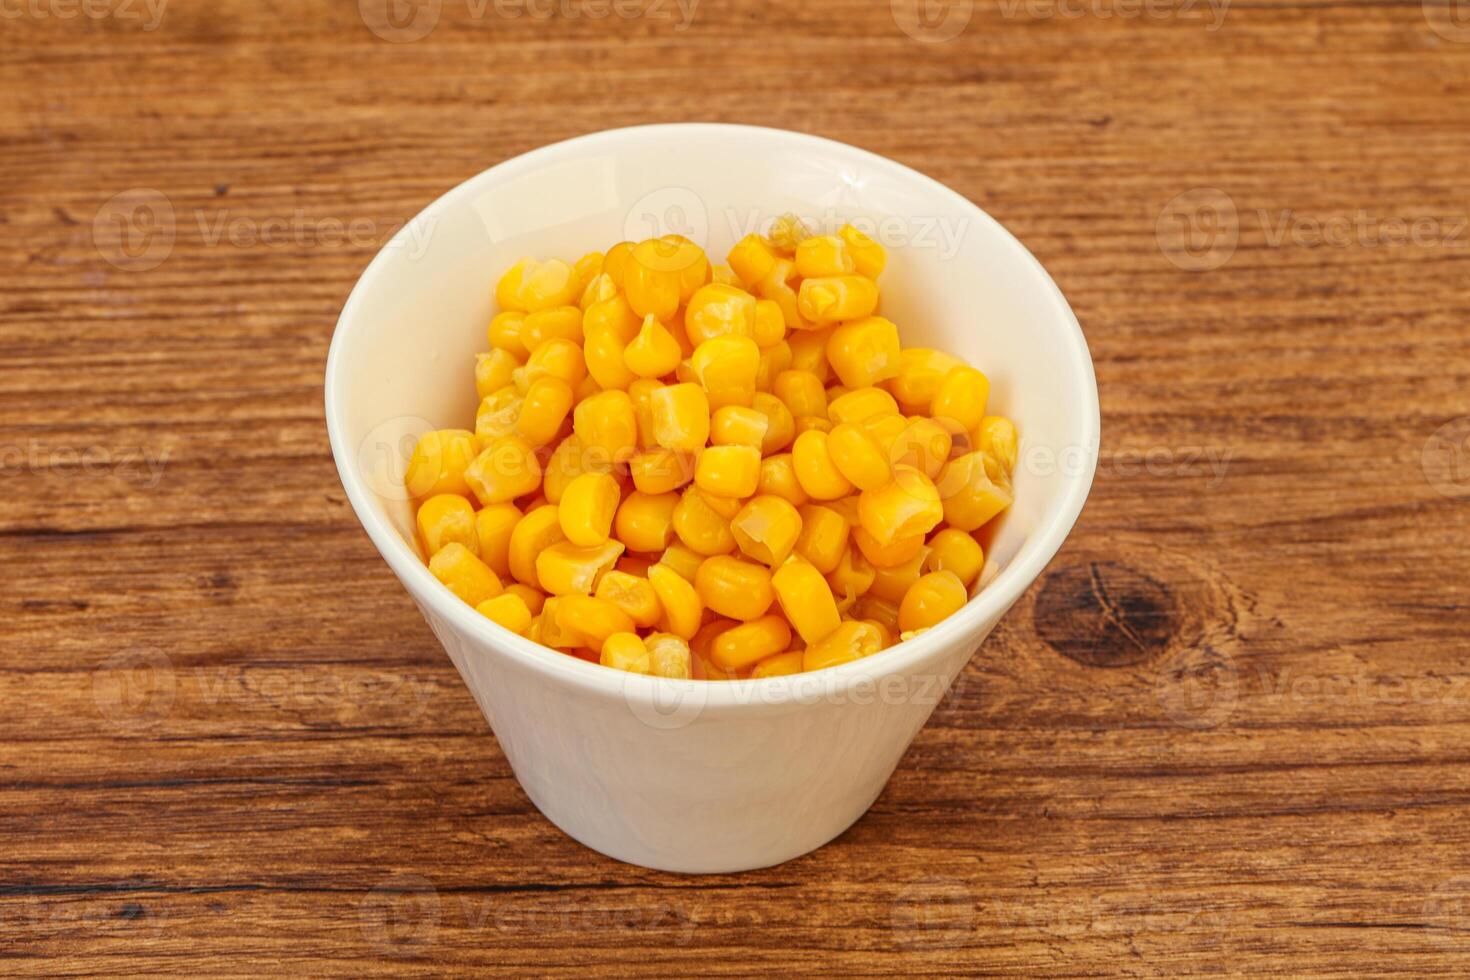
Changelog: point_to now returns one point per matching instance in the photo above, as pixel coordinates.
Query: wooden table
(1227, 732)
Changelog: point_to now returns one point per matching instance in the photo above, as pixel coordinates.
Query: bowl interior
(404, 351)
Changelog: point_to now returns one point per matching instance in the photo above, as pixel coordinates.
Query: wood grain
(1227, 734)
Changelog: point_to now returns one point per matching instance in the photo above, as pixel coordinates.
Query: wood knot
(1105, 614)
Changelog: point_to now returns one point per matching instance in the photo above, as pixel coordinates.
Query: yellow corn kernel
(824, 256)
(507, 469)
(835, 392)
(615, 263)
(770, 324)
(641, 394)
(861, 406)
(599, 289)
(586, 269)
(867, 255)
(728, 471)
(645, 522)
(858, 456)
(787, 233)
(779, 287)
(896, 552)
(543, 410)
(974, 488)
(955, 551)
(811, 423)
(682, 560)
(743, 646)
(996, 436)
(681, 417)
(464, 574)
(880, 612)
(604, 353)
(661, 273)
(669, 656)
(607, 423)
(907, 506)
(446, 518)
(864, 352)
(819, 476)
(853, 576)
(627, 652)
(736, 425)
(559, 322)
(735, 588)
(805, 598)
(612, 316)
(498, 415)
(701, 528)
(493, 527)
(438, 463)
(931, 599)
(654, 352)
(780, 426)
(726, 367)
(591, 618)
(565, 569)
(504, 333)
(533, 286)
(885, 431)
(823, 537)
(509, 611)
(778, 479)
(587, 508)
(661, 470)
(536, 532)
(694, 267)
(557, 358)
(719, 311)
(920, 373)
(494, 370)
(893, 583)
(546, 631)
(774, 360)
(962, 397)
(824, 301)
(802, 393)
(726, 507)
(752, 259)
(724, 275)
(534, 599)
(923, 444)
(568, 461)
(809, 353)
(781, 665)
(683, 609)
(848, 642)
(848, 508)
(633, 595)
(767, 529)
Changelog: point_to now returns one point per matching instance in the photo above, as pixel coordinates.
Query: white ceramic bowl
(697, 776)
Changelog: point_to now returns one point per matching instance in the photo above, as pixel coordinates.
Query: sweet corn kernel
(700, 527)
(547, 403)
(802, 393)
(507, 469)
(766, 529)
(726, 507)
(858, 456)
(626, 651)
(853, 576)
(683, 608)
(861, 406)
(681, 417)
(534, 599)
(728, 471)
(615, 263)
(974, 488)
(670, 656)
(819, 476)
(824, 256)
(781, 665)
(565, 569)
(464, 574)
(924, 445)
(920, 373)
(824, 301)
(652, 275)
(848, 642)
(996, 437)
(493, 527)
(587, 509)
(654, 352)
(494, 371)
(593, 619)
(867, 254)
(604, 352)
(780, 287)
(507, 610)
(780, 426)
(719, 311)
(774, 360)
(787, 233)
(446, 518)
(545, 630)
(823, 537)
(893, 583)
(778, 479)
(438, 463)
(557, 358)
(735, 588)
(661, 470)
(532, 286)
(744, 645)
(645, 522)
(805, 598)
(559, 322)
(752, 259)
(504, 333)
(848, 508)
(736, 425)
(864, 352)
(955, 551)
(770, 324)
(809, 353)
(962, 396)
(907, 506)
(534, 534)
(871, 609)
(682, 560)
(895, 552)
(812, 424)
(726, 368)
(568, 461)
(931, 599)
(633, 595)
(640, 392)
(599, 289)
(606, 422)
(724, 275)
(498, 415)
(885, 431)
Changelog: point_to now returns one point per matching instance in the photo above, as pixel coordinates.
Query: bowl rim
(993, 601)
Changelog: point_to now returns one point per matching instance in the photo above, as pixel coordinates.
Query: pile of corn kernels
(713, 471)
